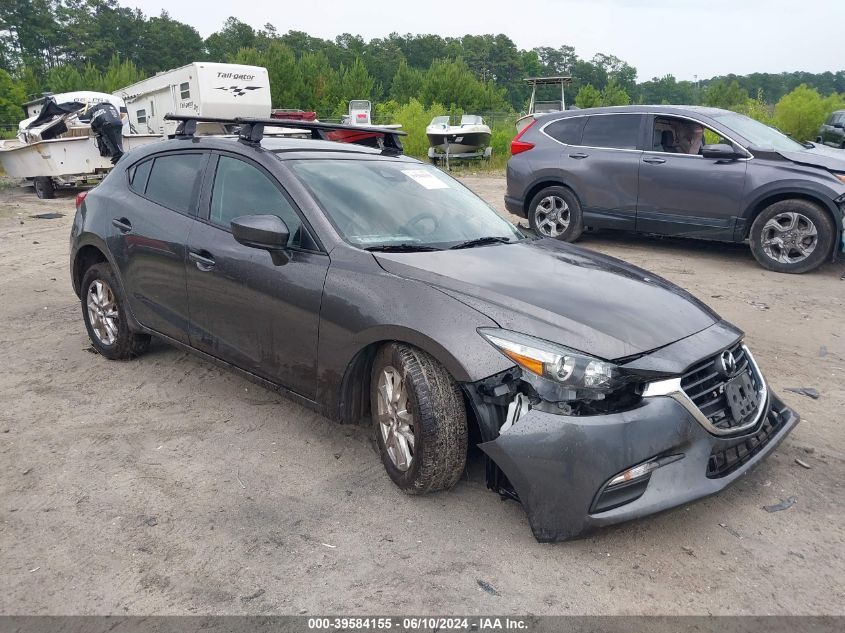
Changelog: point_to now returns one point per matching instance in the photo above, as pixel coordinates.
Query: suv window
(567, 130)
(615, 131)
(173, 180)
(241, 189)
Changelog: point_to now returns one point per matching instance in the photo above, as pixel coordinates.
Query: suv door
(149, 235)
(684, 193)
(245, 309)
(601, 167)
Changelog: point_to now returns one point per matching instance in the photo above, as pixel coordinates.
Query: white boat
(469, 139)
(56, 146)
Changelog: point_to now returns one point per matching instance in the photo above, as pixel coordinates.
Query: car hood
(559, 292)
(818, 156)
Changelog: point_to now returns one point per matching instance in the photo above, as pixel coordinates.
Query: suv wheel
(103, 310)
(792, 236)
(420, 419)
(555, 212)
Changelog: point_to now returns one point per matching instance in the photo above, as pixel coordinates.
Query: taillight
(517, 146)
(80, 197)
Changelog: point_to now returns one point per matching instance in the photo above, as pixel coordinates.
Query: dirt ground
(166, 485)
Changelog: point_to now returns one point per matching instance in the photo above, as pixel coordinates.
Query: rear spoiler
(251, 130)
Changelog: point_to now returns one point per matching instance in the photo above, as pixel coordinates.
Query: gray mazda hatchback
(370, 286)
(684, 171)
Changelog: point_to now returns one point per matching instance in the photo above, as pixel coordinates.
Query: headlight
(573, 375)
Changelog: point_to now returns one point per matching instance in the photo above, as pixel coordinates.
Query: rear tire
(792, 236)
(419, 419)
(44, 188)
(556, 212)
(104, 313)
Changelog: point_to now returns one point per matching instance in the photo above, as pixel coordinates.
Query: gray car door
(686, 194)
(150, 231)
(243, 308)
(602, 168)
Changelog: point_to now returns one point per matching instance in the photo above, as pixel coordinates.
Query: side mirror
(720, 150)
(267, 232)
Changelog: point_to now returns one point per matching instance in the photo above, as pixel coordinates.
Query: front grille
(728, 456)
(705, 386)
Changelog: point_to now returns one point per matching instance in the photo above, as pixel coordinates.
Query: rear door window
(138, 175)
(174, 180)
(614, 131)
(568, 130)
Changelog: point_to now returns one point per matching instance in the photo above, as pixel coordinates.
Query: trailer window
(185, 90)
(141, 115)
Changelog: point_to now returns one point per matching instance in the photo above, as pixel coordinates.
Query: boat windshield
(471, 119)
(440, 120)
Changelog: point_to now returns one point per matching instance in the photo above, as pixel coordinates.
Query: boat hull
(458, 143)
(61, 157)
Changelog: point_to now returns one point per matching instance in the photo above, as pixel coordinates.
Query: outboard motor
(108, 128)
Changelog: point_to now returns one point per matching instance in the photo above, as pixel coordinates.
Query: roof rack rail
(251, 131)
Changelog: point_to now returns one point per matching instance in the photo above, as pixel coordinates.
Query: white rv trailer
(200, 89)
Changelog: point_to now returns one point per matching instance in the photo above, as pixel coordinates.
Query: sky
(684, 38)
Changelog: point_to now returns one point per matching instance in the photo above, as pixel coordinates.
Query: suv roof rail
(251, 131)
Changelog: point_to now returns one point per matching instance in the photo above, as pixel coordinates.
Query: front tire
(104, 313)
(556, 212)
(792, 236)
(419, 419)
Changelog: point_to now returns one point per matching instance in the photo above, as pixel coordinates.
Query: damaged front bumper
(560, 467)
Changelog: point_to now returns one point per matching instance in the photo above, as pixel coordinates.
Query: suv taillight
(517, 146)
(80, 197)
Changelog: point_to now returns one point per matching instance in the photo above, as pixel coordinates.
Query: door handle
(122, 224)
(202, 259)
(654, 160)
(579, 155)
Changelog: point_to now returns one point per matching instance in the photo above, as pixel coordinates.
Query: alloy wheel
(552, 216)
(102, 312)
(789, 237)
(395, 421)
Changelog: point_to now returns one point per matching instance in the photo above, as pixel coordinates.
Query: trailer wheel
(44, 188)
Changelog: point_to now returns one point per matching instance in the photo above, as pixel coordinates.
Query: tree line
(61, 45)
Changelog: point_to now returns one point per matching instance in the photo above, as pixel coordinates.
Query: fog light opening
(637, 472)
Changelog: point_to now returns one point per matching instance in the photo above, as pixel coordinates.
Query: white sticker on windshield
(425, 178)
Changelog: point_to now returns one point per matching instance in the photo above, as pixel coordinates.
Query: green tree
(588, 97)
(802, 111)
(224, 45)
(405, 83)
(451, 83)
(320, 91)
(614, 95)
(283, 71)
(64, 78)
(12, 96)
(355, 82)
(120, 73)
(721, 94)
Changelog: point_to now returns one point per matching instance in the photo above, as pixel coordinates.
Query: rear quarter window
(568, 130)
(174, 180)
(138, 175)
(614, 131)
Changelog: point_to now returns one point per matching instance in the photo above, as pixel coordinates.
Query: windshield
(377, 203)
(758, 134)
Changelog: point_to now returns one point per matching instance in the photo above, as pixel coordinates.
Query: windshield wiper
(481, 241)
(401, 248)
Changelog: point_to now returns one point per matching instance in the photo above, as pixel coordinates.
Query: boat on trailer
(60, 143)
(469, 139)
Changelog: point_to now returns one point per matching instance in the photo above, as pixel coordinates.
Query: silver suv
(684, 171)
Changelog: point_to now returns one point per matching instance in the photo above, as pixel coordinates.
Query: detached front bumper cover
(560, 465)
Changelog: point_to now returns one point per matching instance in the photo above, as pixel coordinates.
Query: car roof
(639, 109)
(285, 148)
